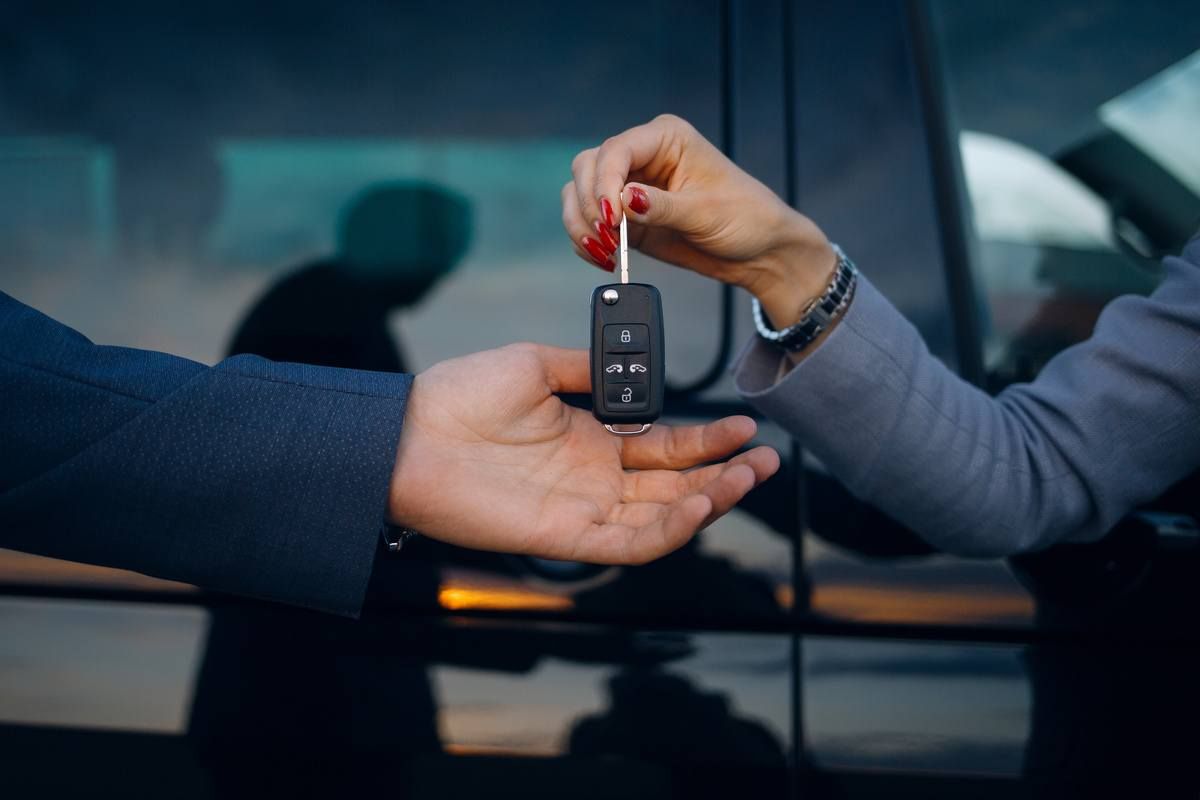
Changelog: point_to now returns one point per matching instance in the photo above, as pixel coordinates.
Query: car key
(627, 352)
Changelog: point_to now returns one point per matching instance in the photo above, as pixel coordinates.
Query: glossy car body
(182, 179)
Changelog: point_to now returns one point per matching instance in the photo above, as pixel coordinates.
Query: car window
(1077, 174)
(1075, 134)
(174, 175)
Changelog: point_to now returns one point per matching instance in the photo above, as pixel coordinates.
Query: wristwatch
(818, 315)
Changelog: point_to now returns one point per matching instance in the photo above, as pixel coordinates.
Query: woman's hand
(689, 205)
(490, 458)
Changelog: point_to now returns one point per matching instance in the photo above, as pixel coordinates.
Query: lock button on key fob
(631, 338)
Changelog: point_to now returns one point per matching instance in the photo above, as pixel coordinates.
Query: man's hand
(489, 458)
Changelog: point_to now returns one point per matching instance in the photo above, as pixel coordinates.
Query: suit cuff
(329, 453)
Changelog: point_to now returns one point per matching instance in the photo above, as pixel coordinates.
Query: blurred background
(376, 185)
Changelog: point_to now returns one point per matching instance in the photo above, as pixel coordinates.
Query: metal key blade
(624, 250)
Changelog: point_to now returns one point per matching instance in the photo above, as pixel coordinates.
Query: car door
(1017, 166)
(211, 172)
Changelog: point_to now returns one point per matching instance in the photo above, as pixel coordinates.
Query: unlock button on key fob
(625, 397)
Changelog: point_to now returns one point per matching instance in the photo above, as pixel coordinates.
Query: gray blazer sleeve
(1108, 425)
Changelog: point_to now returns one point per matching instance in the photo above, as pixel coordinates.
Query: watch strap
(818, 315)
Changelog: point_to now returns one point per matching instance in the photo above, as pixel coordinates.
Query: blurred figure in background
(257, 697)
(395, 241)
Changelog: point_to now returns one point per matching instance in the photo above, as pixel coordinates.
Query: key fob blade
(627, 354)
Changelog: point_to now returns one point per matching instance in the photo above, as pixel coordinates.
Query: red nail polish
(639, 201)
(610, 219)
(606, 238)
(597, 252)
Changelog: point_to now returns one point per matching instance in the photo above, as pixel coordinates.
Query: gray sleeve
(1108, 425)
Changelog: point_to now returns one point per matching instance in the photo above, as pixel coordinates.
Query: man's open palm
(491, 459)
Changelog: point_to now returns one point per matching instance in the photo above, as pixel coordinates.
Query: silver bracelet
(818, 315)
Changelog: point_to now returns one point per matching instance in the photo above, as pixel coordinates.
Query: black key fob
(627, 356)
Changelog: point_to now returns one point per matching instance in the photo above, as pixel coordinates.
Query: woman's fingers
(658, 208)
(581, 235)
(596, 237)
(654, 147)
(653, 152)
(667, 447)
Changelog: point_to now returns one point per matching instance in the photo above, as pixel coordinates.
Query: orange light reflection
(22, 568)
(457, 597)
(877, 604)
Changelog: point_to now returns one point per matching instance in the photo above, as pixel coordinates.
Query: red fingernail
(639, 201)
(597, 252)
(610, 219)
(606, 238)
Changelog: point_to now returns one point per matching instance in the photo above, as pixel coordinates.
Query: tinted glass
(101, 666)
(1076, 123)
(863, 172)
(203, 178)
(861, 158)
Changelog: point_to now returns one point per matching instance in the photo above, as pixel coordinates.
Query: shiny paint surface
(803, 646)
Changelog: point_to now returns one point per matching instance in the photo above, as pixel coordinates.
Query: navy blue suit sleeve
(254, 477)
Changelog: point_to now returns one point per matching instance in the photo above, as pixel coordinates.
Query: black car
(188, 177)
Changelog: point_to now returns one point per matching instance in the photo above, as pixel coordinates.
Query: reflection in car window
(182, 179)
(1162, 117)
(1078, 180)
(1047, 254)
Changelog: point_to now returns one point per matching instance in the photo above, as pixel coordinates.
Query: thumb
(658, 208)
(567, 371)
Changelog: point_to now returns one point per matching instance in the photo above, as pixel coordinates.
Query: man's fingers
(680, 525)
(763, 460)
(622, 543)
(666, 447)
(668, 534)
(689, 515)
(727, 489)
(667, 486)
(640, 515)
(642, 532)
(630, 543)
